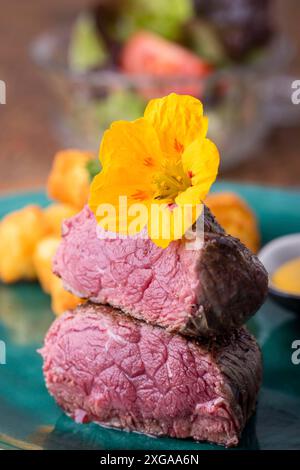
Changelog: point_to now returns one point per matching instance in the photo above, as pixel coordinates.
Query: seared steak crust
(234, 283)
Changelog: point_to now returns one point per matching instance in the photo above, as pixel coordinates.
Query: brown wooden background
(27, 138)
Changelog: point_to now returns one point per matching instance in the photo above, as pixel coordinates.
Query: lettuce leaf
(162, 17)
(86, 50)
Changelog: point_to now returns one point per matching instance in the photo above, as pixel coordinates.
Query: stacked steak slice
(105, 367)
(169, 356)
(196, 292)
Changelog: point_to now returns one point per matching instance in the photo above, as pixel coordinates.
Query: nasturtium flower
(162, 162)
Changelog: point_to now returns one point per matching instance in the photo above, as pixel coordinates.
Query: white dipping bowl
(275, 254)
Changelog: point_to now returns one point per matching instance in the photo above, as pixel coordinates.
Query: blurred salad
(162, 46)
(206, 35)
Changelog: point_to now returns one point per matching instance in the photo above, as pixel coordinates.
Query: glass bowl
(238, 121)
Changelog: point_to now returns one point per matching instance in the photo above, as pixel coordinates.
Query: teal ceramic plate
(29, 417)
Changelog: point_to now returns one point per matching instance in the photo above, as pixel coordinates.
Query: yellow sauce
(287, 277)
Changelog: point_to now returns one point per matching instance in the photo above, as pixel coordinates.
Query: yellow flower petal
(130, 156)
(201, 162)
(132, 147)
(156, 171)
(178, 120)
(193, 195)
(116, 208)
(172, 222)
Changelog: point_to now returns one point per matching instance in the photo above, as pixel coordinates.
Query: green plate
(29, 418)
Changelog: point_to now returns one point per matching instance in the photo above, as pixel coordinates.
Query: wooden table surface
(28, 140)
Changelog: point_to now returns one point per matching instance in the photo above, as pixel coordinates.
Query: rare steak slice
(203, 291)
(103, 366)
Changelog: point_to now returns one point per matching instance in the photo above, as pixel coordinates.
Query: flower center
(171, 182)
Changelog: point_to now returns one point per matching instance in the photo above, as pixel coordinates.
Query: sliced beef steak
(103, 366)
(196, 292)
